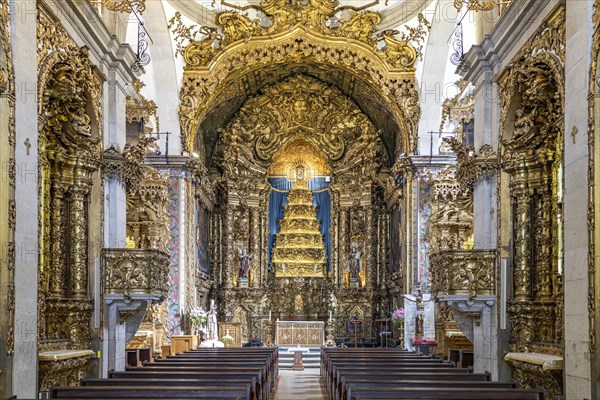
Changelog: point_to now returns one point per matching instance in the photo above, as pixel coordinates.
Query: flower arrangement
(398, 315)
(198, 315)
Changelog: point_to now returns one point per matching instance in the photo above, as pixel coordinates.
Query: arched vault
(236, 61)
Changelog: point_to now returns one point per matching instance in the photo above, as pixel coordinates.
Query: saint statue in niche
(244, 265)
(354, 261)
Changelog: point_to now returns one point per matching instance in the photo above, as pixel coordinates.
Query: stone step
(311, 360)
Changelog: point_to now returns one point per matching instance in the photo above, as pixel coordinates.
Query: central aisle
(296, 385)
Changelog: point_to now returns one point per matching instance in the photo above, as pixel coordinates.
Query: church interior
(299, 199)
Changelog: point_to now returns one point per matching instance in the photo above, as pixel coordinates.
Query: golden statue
(299, 249)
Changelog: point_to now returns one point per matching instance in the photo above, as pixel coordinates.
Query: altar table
(303, 333)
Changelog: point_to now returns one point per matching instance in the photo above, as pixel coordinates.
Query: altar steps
(311, 360)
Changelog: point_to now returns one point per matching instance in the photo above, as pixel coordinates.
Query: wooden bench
(203, 375)
(449, 393)
(152, 392)
(363, 375)
(378, 383)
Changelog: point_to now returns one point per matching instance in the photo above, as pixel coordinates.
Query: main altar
(301, 170)
(299, 333)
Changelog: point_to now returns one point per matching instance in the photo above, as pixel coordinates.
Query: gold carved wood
(594, 195)
(531, 131)
(297, 33)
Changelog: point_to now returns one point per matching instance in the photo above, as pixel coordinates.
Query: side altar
(303, 333)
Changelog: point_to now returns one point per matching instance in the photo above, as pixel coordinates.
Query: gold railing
(136, 271)
(462, 272)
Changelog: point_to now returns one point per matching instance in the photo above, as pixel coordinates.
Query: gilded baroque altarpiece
(335, 100)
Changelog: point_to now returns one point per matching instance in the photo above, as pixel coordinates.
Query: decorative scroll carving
(320, 114)
(472, 166)
(532, 128)
(140, 109)
(205, 188)
(535, 376)
(136, 271)
(147, 216)
(478, 5)
(128, 166)
(297, 32)
(70, 153)
(66, 82)
(460, 272)
(451, 222)
(63, 369)
(124, 6)
(460, 108)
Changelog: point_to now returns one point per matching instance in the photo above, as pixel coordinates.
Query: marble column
(114, 124)
(24, 45)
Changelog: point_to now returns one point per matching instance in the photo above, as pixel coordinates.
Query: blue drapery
(278, 199)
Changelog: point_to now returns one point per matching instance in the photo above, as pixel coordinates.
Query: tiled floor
(299, 385)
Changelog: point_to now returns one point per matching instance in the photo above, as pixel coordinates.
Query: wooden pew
(378, 383)
(257, 388)
(356, 392)
(363, 375)
(210, 374)
(152, 392)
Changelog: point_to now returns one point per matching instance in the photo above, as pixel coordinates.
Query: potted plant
(227, 339)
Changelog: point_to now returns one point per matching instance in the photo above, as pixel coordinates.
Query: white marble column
(24, 46)
(577, 369)
(484, 193)
(114, 123)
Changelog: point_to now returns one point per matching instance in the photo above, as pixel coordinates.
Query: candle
(330, 315)
(212, 302)
(269, 315)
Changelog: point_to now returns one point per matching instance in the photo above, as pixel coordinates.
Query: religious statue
(212, 331)
(300, 173)
(244, 265)
(419, 328)
(354, 261)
